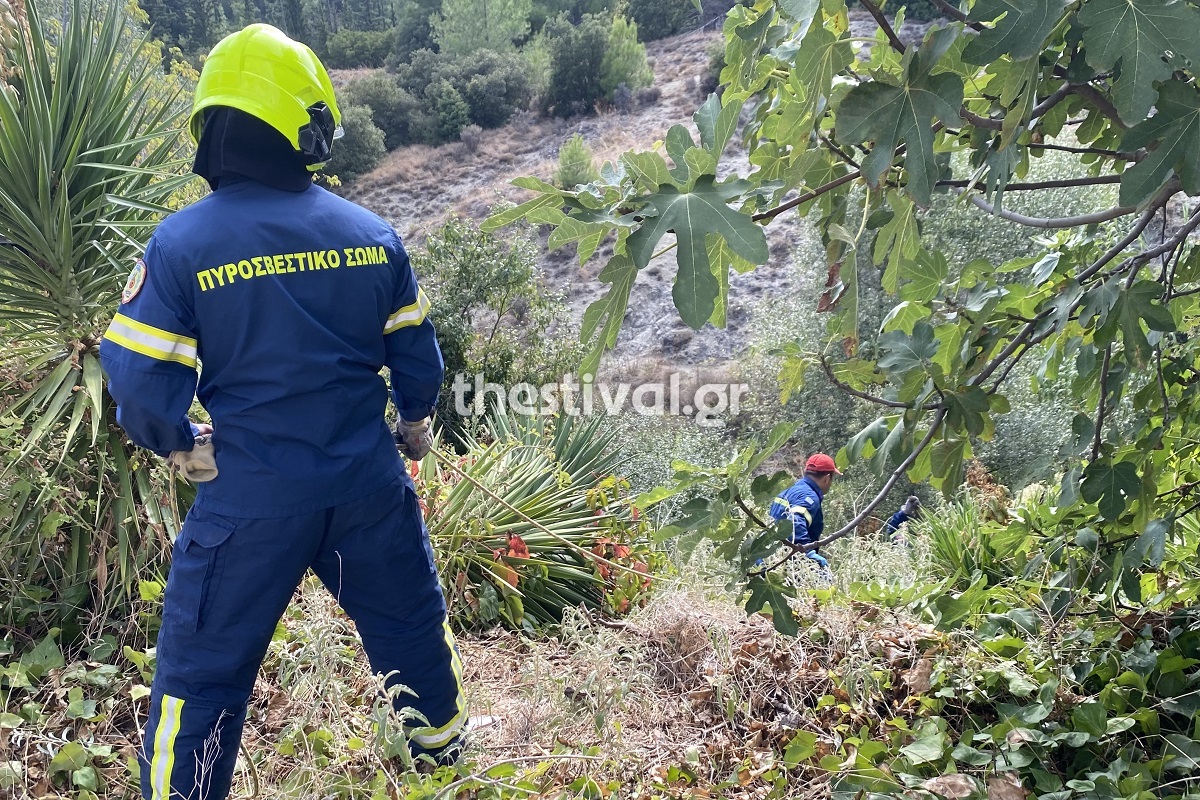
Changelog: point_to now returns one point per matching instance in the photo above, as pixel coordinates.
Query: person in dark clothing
(292, 300)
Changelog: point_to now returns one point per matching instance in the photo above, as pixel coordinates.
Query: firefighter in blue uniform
(289, 300)
(908, 511)
(801, 503)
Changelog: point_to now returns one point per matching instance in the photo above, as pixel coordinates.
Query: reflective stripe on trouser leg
(435, 738)
(162, 760)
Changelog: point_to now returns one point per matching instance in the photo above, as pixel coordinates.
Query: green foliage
(494, 86)
(493, 316)
(658, 19)
(83, 185)
(499, 568)
(350, 49)
(625, 59)
(392, 108)
(464, 26)
(361, 149)
(576, 164)
(576, 65)
(413, 32)
(1091, 297)
(453, 113)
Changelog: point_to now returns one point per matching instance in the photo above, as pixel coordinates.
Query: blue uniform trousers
(230, 582)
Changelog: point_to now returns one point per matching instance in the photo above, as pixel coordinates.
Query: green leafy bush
(465, 26)
(494, 86)
(576, 65)
(493, 315)
(453, 113)
(349, 49)
(361, 149)
(657, 19)
(624, 62)
(576, 164)
(392, 108)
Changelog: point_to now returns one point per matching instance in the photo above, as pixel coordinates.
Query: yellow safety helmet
(263, 72)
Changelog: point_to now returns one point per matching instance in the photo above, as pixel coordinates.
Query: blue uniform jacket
(288, 304)
(894, 522)
(802, 503)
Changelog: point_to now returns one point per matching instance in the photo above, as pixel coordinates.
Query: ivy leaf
(889, 114)
(902, 353)
(1110, 485)
(692, 215)
(1176, 129)
(607, 313)
(1019, 33)
(1137, 37)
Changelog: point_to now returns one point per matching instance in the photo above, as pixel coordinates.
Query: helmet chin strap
(316, 138)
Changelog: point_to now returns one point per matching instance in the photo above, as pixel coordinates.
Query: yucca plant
(962, 542)
(89, 162)
(497, 567)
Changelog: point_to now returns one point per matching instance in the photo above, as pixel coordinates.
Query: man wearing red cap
(802, 504)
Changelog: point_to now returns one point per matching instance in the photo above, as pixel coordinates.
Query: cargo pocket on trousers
(196, 566)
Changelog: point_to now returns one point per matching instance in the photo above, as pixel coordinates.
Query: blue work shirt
(802, 504)
(289, 304)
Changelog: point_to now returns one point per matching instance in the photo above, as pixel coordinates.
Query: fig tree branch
(1054, 222)
(1101, 406)
(884, 25)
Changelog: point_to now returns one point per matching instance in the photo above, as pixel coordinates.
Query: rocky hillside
(417, 187)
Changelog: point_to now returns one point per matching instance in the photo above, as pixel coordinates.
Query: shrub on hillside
(921, 10)
(453, 113)
(494, 86)
(492, 313)
(624, 60)
(657, 19)
(392, 107)
(361, 149)
(349, 49)
(472, 137)
(576, 65)
(576, 164)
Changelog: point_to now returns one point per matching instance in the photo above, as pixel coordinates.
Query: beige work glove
(415, 439)
(198, 465)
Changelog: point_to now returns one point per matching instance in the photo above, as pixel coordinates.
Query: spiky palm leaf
(89, 134)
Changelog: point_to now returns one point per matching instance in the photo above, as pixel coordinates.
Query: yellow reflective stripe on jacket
(150, 341)
(791, 509)
(162, 761)
(412, 314)
(436, 738)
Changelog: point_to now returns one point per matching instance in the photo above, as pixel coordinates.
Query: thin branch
(1018, 341)
(771, 213)
(1143, 221)
(1028, 186)
(1100, 411)
(749, 512)
(850, 390)
(1053, 222)
(1141, 258)
(1089, 92)
(884, 25)
(1056, 97)
(955, 14)
(1094, 151)
(981, 121)
(849, 159)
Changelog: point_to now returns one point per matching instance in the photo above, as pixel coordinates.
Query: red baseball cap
(819, 462)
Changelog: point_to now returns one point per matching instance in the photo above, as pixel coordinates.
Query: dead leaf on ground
(1006, 786)
(955, 787)
(919, 678)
